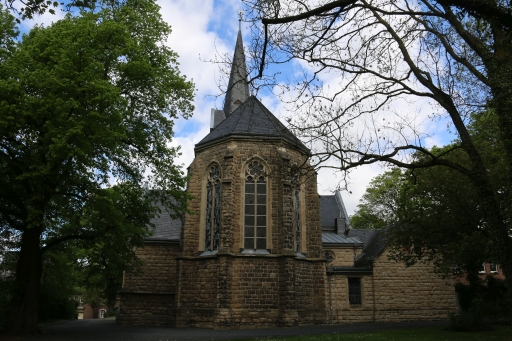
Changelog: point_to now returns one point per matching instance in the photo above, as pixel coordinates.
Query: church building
(263, 249)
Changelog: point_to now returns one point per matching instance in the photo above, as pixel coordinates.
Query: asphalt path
(107, 330)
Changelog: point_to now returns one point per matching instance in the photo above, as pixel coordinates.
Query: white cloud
(200, 32)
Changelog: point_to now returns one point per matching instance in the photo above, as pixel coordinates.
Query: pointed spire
(238, 88)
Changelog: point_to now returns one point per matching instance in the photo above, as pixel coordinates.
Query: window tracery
(213, 205)
(255, 212)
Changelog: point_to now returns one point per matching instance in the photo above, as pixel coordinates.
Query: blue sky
(206, 29)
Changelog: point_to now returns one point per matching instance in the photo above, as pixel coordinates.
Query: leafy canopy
(86, 103)
(434, 214)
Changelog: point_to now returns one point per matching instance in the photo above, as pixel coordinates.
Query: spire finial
(240, 15)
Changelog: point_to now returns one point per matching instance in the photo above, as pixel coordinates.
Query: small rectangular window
(493, 268)
(482, 269)
(354, 290)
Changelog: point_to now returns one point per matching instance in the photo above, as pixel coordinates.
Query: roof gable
(252, 118)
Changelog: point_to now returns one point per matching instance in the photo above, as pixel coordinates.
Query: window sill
(208, 253)
(255, 252)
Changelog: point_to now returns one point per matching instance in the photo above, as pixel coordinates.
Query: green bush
(465, 294)
(471, 320)
(55, 307)
(495, 299)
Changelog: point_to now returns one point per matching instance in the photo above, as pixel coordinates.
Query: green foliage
(87, 102)
(31, 8)
(380, 204)
(483, 302)
(59, 281)
(441, 220)
(7, 264)
(435, 214)
(471, 320)
(8, 33)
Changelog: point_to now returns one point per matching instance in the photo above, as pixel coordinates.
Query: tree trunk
(23, 316)
(500, 76)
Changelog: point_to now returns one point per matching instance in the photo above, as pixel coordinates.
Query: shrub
(470, 320)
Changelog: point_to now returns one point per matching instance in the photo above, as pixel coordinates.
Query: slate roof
(251, 119)
(329, 211)
(166, 228)
(334, 238)
(363, 235)
(375, 246)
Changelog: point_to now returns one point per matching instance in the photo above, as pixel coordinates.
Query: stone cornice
(253, 138)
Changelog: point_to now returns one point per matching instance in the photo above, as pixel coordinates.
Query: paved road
(107, 330)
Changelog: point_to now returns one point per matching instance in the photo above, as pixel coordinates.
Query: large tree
(85, 102)
(457, 55)
(435, 215)
(430, 215)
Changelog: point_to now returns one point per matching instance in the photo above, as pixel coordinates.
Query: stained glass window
(212, 228)
(255, 218)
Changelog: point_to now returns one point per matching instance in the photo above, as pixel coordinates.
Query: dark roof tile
(252, 119)
(166, 227)
(363, 235)
(333, 238)
(375, 246)
(329, 211)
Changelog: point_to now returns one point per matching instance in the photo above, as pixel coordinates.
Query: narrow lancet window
(296, 223)
(255, 220)
(212, 227)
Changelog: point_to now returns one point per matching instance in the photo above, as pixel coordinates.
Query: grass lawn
(500, 333)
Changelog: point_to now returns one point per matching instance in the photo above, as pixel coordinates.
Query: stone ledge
(232, 255)
(127, 292)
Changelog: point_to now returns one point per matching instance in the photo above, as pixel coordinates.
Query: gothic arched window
(212, 228)
(255, 209)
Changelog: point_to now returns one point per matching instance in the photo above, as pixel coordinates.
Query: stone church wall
(343, 256)
(342, 311)
(234, 291)
(233, 156)
(148, 298)
(401, 294)
(197, 291)
(413, 293)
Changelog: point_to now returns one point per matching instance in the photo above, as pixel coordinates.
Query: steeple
(238, 89)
